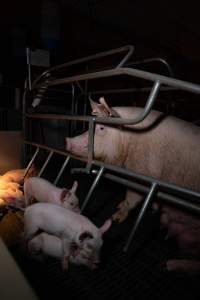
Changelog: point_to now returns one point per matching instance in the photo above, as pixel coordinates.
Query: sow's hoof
(120, 216)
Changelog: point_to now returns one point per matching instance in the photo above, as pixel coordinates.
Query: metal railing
(151, 187)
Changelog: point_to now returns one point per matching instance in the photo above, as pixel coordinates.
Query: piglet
(44, 191)
(50, 245)
(79, 236)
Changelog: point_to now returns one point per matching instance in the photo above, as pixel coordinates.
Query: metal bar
(31, 161)
(96, 181)
(62, 170)
(28, 60)
(144, 208)
(46, 162)
(187, 194)
(187, 86)
(58, 117)
(130, 90)
(54, 150)
(169, 187)
(117, 121)
(153, 59)
(128, 48)
(171, 200)
(90, 142)
(126, 58)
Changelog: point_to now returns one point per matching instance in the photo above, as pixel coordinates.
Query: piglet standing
(44, 191)
(79, 236)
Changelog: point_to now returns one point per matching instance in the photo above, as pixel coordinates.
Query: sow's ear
(101, 108)
(64, 193)
(74, 187)
(85, 235)
(105, 226)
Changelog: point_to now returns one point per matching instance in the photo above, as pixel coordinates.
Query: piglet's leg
(69, 249)
(131, 201)
(184, 266)
(74, 249)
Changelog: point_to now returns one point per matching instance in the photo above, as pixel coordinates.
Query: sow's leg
(131, 201)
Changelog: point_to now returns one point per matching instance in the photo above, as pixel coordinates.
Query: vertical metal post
(96, 181)
(28, 60)
(141, 215)
(62, 170)
(90, 142)
(46, 162)
(31, 161)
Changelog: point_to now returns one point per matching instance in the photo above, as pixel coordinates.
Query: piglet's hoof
(65, 263)
(120, 216)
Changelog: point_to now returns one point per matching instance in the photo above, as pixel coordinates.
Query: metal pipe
(126, 58)
(167, 198)
(128, 48)
(168, 187)
(31, 161)
(46, 162)
(28, 61)
(139, 219)
(130, 90)
(54, 150)
(184, 85)
(117, 121)
(153, 59)
(96, 181)
(62, 170)
(90, 142)
(194, 197)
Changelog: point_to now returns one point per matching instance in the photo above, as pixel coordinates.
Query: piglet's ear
(64, 193)
(85, 235)
(105, 226)
(74, 187)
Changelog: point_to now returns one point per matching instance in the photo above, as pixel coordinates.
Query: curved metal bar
(128, 48)
(116, 121)
(149, 60)
(128, 55)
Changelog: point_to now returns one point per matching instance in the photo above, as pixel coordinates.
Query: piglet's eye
(101, 127)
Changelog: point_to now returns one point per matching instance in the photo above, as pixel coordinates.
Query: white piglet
(45, 244)
(80, 238)
(44, 191)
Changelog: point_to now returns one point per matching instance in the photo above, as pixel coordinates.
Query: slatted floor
(140, 274)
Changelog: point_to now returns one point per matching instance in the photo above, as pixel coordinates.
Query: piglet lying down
(46, 244)
(79, 238)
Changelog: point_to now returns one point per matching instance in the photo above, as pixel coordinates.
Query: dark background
(166, 29)
(169, 29)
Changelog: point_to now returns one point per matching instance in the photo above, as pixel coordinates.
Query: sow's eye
(100, 128)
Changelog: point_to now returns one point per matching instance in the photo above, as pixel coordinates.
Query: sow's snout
(77, 145)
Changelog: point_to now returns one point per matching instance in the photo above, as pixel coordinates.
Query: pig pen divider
(162, 190)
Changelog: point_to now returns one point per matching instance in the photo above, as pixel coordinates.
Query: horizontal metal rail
(128, 48)
(156, 185)
(164, 186)
(183, 85)
(165, 189)
(60, 152)
(163, 196)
